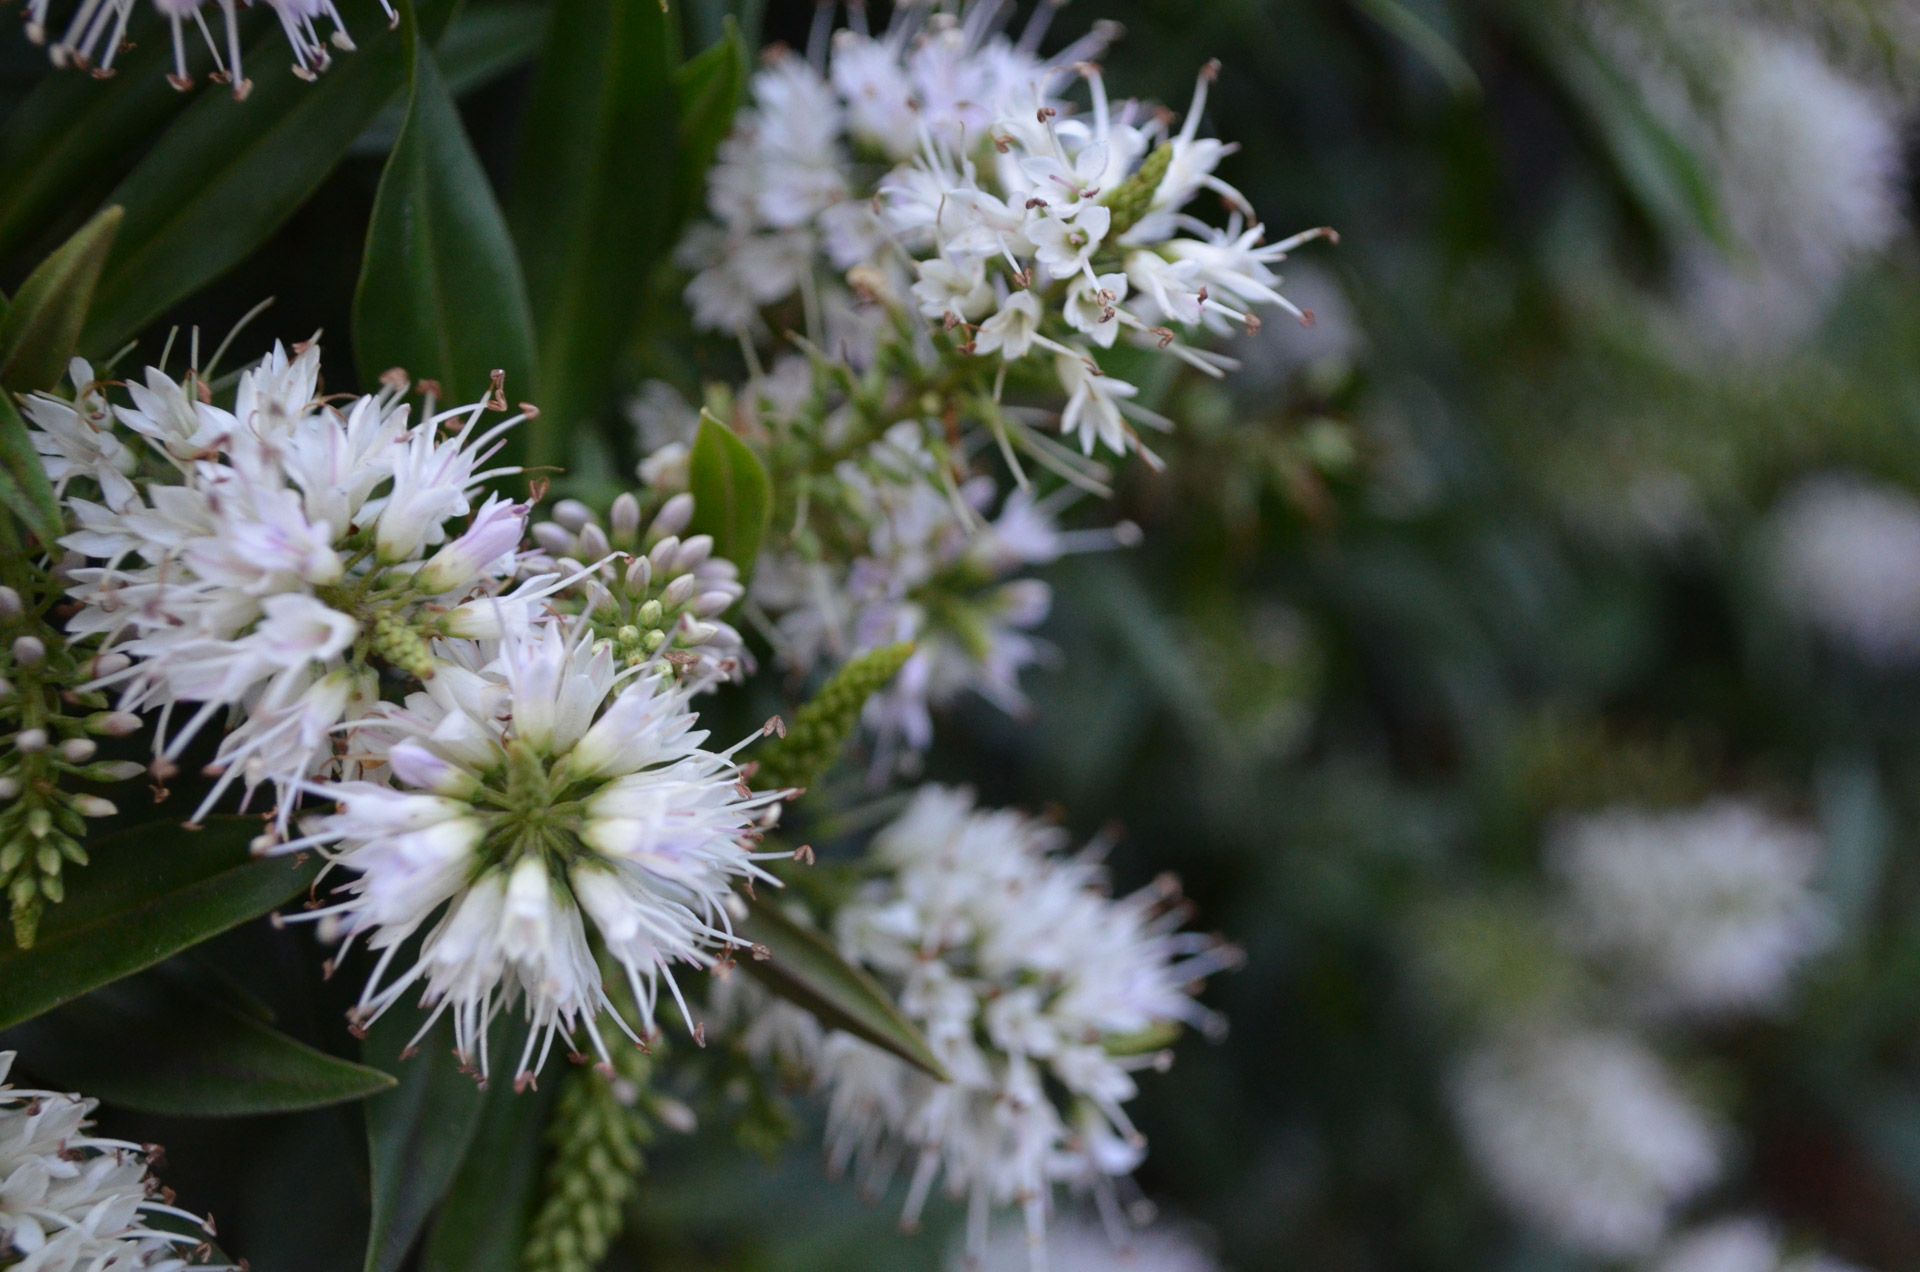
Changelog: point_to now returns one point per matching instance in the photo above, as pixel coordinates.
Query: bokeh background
(1590, 494)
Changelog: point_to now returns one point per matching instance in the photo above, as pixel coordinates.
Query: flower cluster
(1080, 1246)
(1846, 562)
(72, 1202)
(1741, 1245)
(1040, 995)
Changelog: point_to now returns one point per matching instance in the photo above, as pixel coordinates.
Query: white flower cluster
(1080, 1246)
(72, 1202)
(1707, 911)
(1031, 234)
(1741, 1245)
(1586, 1134)
(1846, 561)
(253, 561)
(1040, 995)
(97, 33)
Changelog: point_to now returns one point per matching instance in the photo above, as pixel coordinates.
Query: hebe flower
(1081, 1246)
(73, 1202)
(534, 788)
(270, 559)
(1741, 1245)
(1041, 995)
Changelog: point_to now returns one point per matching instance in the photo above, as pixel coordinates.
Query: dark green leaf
(145, 896)
(418, 1133)
(23, 480)
(803, 967)
(709, 89)
(440, 290)
(482, 43)
(1419, 35)
(227, 174)
(193, 1054)
(482, 1227)
(64, 145)
(42, 326)
(592, 215)
(732, 498)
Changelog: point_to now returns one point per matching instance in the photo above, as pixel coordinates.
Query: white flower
(1705, 911)
(74, 1202)
(1093, 307)
(1036, 991)
(1740, 1245)
(1013, 329)
(1846, 560)
(1586, 1136)
(947, 287)
(1093, 404)
(537, 791)
(1066, 246)
(1083, 1246)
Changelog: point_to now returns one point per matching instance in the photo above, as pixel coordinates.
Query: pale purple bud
(93, 806)
(573, 514)
(674, 516)
(9, 787)
(707, 604)
(639, 575)
(415, 765)
(30, 741)
(78, 750)
(679, 592)
(693, 552)
(554, 539)
(593, 544)
(693, 632)
(114, 724)
(29, 651)
(10, 606)
(662, 553)
(114, 771)
(624, 518)
(6, 689)
(674, 1115)
(111, 664)
(495, 532)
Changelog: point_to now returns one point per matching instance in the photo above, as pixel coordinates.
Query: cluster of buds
(48, 725)
(653, 593)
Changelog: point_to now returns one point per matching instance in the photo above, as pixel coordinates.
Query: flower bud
(674, 516)
(554, 539)
(574, 515)
(114, 724)
(9, 787)
(652, 641)
(111, 664)
(692, 553)
(93, 806)
(707, 604)
(30, 741)
(679, 592)
(495, 532)
(113, 771)
(651, 613)
(674, 1115)
(639, 575)
(29, 651)
(663, 552)
(6, 688)
(594, 544)
(694, 632)
(78, 750)
(669, 468)
(10, 606)
(624, 519)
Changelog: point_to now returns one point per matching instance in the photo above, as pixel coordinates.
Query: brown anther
(497, 399)
(1165, 334)
(1045, 113)
(203, 391)
(523, 1083)
(431, 388)
(358, 1030)
(1023, 279)
(396, 378)
(576, 1057)
(774, 727)
(409, 1053)
(1003, 144)
(1253, 323)
(327, 969)
(103, 72)
(700, 1034)
(804, 854)
(1211, 71)
(1306, 320)
(243, 90)
(529, 410)
(180, 83)
(1036, 202)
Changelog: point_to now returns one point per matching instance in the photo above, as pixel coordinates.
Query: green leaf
(482, 43)
(483, 1224)
(42, 326)
(199, 1057)
(227, 174)
(1426, 41)
(69, 139)
(709, 90)
(803, 967)
(593, 212)
(440, 290)
(144, 897)
(732, 498)
(418, 1133)
(23, 479)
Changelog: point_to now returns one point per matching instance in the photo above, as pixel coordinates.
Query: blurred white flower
(1040, 995)
(74, 1202)
(536, 787)
(1846, 560)
(1708, 911)
(1584, 1135)
(1082, 1246)
(1740, 1245)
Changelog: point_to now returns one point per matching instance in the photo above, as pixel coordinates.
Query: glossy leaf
(803, 967)
(418, 1133)
(732, 498)
(708, 89)
(482, 1226)
(23, 480)
(196, 1056)
(227, 174)
(440, 289)
(482, 43)
(593, 196)
(146, 895)
(42, 326)
(1428, 43)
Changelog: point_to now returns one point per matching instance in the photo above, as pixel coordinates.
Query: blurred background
(1521, 663)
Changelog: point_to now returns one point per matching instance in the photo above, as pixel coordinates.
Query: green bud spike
(1130, 199)
(596, 1140)
(821, 729)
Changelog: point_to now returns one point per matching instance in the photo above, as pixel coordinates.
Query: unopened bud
(652, 641)
(573, 514)
(674, 1115)
(9, 787)
(93, 806)
(593, 543)
(679, 592)
(707, 604)
(639, 575)
(114, 724)
(624, 519)
(6, 688)
(30, 741)
(693, 632)
(651, 613)
(662, 553)
(113, 771)
(627, 634)
(674, 516)
(78, 750)
(554, 539)
(29, 651)
(110, 665)
(693, 552)
(10, 606)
